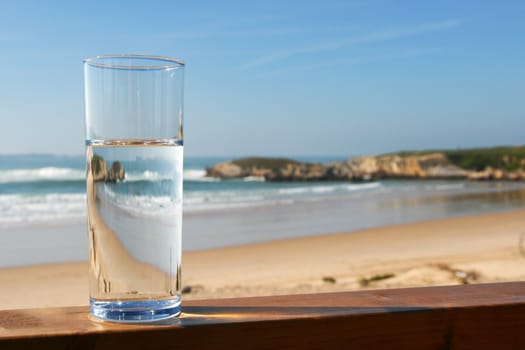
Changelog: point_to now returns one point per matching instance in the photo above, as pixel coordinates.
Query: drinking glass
(134, 156)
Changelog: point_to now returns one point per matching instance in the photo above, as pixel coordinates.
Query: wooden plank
(485, 316)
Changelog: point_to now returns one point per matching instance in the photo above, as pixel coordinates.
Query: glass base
(135, 310)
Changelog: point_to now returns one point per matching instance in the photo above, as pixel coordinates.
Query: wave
(210, 200)
(254, 179)
(323, 189)
(198, 175)
(318, 189)
(294, 190)
(365, 186)
(142, 201)
(188, 175)
(71, 174)
(16, 209)
(41, 174)
(207, 206)
(146, 175)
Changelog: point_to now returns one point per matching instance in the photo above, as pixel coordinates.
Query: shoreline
(304, 211)
(471, 249)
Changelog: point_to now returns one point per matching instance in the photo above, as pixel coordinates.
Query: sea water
(43, 205)
(134, 200)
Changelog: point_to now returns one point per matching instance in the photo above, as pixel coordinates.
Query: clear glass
(134, 157)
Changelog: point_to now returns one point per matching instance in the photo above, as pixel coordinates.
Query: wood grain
(485, 316)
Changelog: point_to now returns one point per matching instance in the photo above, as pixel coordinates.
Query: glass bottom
(135, 310)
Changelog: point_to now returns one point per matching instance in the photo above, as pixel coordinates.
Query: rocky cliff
(435, 165)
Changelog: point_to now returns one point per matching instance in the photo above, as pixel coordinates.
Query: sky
(278, 78)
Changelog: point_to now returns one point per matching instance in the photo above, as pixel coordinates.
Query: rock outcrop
(428, 166)
(227, 170)
(116, 173)
(421, 166)
(101, 172)
(98, 168)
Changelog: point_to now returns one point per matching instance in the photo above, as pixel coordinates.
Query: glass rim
(98, 61)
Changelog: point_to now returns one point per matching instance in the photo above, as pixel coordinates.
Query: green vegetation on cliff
(508, 158)
(264, 163)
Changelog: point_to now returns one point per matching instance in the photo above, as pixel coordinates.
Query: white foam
(198, 175)
(41, 174)
(191, 175)
(254, 178)
(363, 186)
(323, 189)
(146, 175)
(202, 200)
(295, 190)
(137, 204)
(16, 209)
(329, 188)
(210, 206)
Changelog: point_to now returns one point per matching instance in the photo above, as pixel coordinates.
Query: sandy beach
(474, 249)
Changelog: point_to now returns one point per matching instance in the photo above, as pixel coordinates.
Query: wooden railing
(485, 316)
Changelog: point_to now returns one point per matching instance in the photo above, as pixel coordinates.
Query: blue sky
(278, 77)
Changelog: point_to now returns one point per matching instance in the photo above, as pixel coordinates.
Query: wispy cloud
(371, 37)
(236, 33)
(363, 59)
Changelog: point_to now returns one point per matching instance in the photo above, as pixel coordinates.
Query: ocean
(38, 189)
(49, 190)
